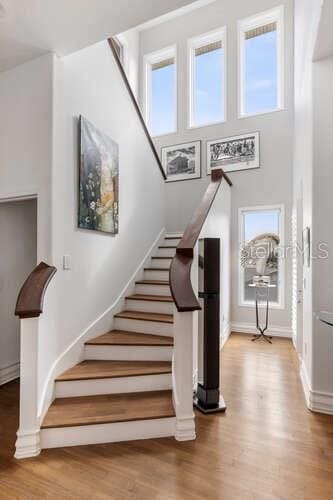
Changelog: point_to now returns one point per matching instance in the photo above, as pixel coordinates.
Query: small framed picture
(240, 152)
(182, 162)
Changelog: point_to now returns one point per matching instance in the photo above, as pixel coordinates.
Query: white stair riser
(128, 353)
(166, 252)
(149, 306)
(156, 275)
(153, 289)
(142, 326)
(91, 387)
(161, 263)
(172, 242)
(178, 235)
(107, 433)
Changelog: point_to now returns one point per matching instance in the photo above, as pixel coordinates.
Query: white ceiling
(324, 43)
(29, 28)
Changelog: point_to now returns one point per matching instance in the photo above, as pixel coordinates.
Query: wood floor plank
(267, 446)
(145, 316)
(97, 369)
(120, 337)
(89, 410)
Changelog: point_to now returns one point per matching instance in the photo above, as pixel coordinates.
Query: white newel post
(183, 375)
(28, 443)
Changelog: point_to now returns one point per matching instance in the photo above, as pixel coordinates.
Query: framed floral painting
(99, 180)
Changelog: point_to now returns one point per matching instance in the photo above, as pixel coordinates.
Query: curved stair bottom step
(108, 433)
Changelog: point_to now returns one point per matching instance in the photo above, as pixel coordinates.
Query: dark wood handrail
(136, 106)
(180, 270)
(31, 297)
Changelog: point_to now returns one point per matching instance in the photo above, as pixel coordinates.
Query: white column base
(27, 444)
(185, 429)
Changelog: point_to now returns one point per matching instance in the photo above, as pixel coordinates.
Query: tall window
(207, 63)
(261, 63)
(161, 91)
(261, 241)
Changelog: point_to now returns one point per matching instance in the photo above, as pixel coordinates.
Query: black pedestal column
(208, 398)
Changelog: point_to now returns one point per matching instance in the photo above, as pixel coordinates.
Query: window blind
(208, 48)
(162, 64)
(261, 30)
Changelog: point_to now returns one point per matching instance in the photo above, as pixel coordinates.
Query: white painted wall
(26, 139)
(272, 183)
(322, 341)
(306, 21)
(18, 243)
(130, 41)
(88, 82)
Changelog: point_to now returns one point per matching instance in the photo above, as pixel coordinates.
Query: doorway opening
(18, 250)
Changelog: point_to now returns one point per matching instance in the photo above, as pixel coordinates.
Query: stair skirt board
(128, 353)
(107, 433)
(148, 289)
(149, 306)
(119, 385)
(151, 274)
(143, 326)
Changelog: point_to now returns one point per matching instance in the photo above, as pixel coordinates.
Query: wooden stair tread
(151, 298)
(97, 369)
(120, 337)
(173, 237)
(152, 282)
(165, 258)
(168, 246)
(166, 269)
(145, 316)
(103, 409)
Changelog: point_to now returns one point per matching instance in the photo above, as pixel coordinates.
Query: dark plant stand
(262, 330)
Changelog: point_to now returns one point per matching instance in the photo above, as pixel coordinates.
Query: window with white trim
(207, 78)
(261, 49)
(261, 244)
(160, 91)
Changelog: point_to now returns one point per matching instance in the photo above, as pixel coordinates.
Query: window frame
(273, 15)
(192, 44)
(148, 61)
(281, 274)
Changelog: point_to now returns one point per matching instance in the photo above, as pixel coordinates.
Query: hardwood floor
(266, 446)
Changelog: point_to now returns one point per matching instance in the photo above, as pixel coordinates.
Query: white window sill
(268, 112)
(208, 124)
(164, 134)
(262, 305)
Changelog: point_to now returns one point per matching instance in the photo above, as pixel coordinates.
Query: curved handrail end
(31, 296)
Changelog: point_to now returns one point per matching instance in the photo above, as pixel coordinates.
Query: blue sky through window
(259, 222)
(261, 92)
(208, 88)
(163, 100)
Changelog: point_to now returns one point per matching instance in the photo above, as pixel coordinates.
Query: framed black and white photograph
(182, 161)
(240, 152)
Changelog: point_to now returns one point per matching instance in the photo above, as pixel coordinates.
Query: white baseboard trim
(225, 335)
(75, 351)
(9, 373)
(317, 401)
(274, 331)
(27, 444)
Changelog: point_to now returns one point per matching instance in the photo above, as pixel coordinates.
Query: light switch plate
(66, 264)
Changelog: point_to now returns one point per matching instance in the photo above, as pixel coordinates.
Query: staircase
(122, 390)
